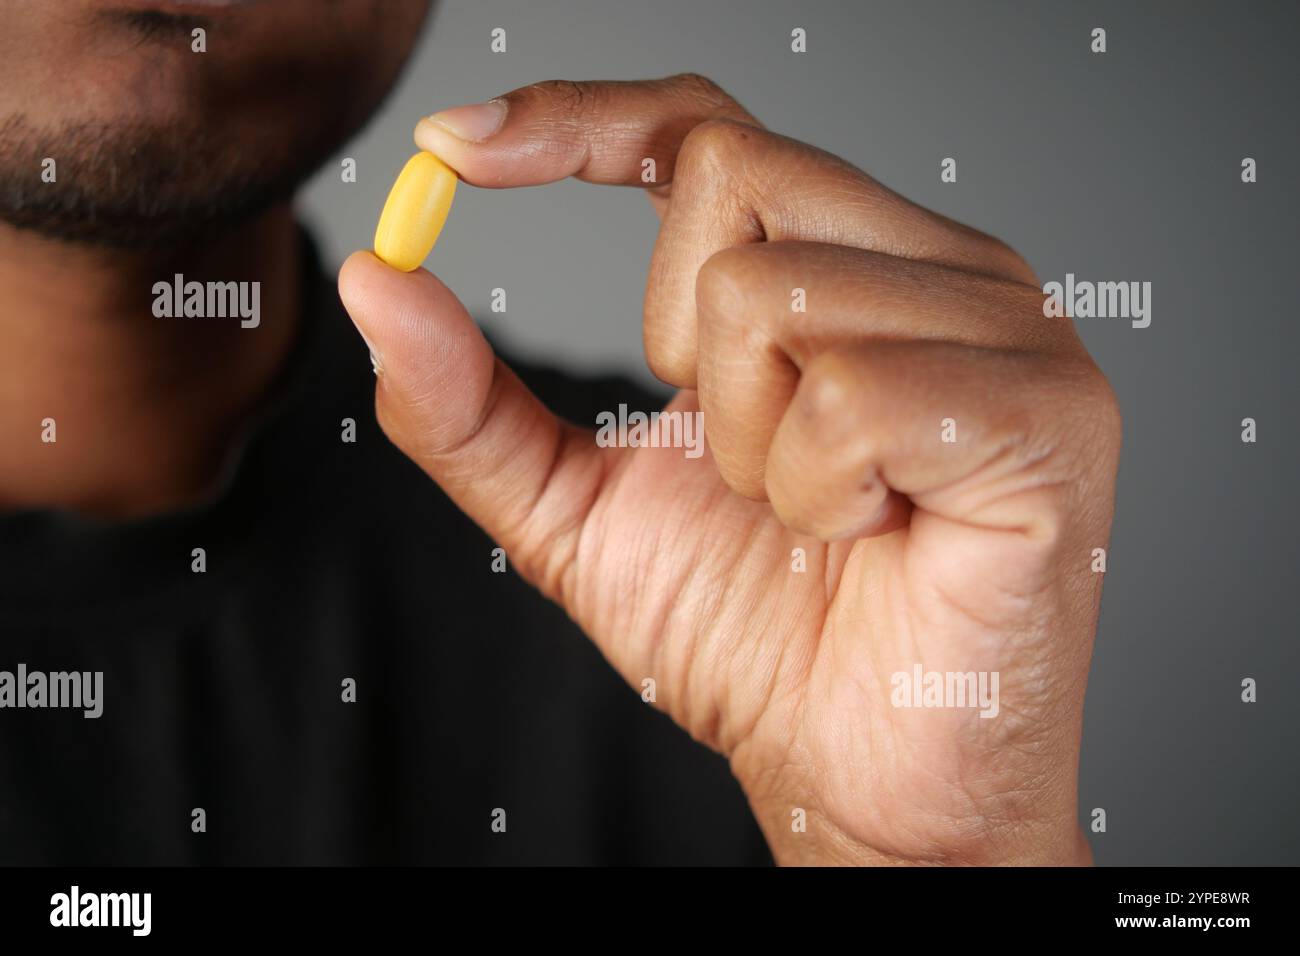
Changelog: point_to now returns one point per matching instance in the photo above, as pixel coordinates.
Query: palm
(680, 580)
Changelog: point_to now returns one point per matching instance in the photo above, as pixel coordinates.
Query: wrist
(1025, 844)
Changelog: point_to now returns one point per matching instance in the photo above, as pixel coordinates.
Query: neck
(142, 409)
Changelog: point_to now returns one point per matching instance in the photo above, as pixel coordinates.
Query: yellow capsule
(416, 208)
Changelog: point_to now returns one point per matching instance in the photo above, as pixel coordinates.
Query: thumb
(462, 415)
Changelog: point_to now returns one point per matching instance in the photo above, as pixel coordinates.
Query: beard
(136, 186)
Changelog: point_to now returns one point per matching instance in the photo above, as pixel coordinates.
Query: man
(870, 593)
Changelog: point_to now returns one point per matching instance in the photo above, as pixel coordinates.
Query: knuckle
(1110, 401)
(723, 282)
(1092, 418)
(826, 392)
(699, 86)
(1012, 263)
(562, 96)
(715, 145)
(1105, 410)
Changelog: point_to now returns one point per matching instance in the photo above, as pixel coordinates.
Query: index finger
(599, 132)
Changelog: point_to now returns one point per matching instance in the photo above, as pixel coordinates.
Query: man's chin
(136, 187)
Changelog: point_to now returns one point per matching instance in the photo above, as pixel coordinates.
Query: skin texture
(824, 434)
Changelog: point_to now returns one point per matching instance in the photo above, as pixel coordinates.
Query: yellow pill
(416, 208)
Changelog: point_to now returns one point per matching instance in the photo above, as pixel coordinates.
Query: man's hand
(942, 454)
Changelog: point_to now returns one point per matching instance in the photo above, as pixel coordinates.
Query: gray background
(1122, 166)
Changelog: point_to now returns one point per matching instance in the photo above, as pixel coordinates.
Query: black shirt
(223, 690)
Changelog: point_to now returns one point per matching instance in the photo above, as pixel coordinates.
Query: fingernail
(472, 124)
